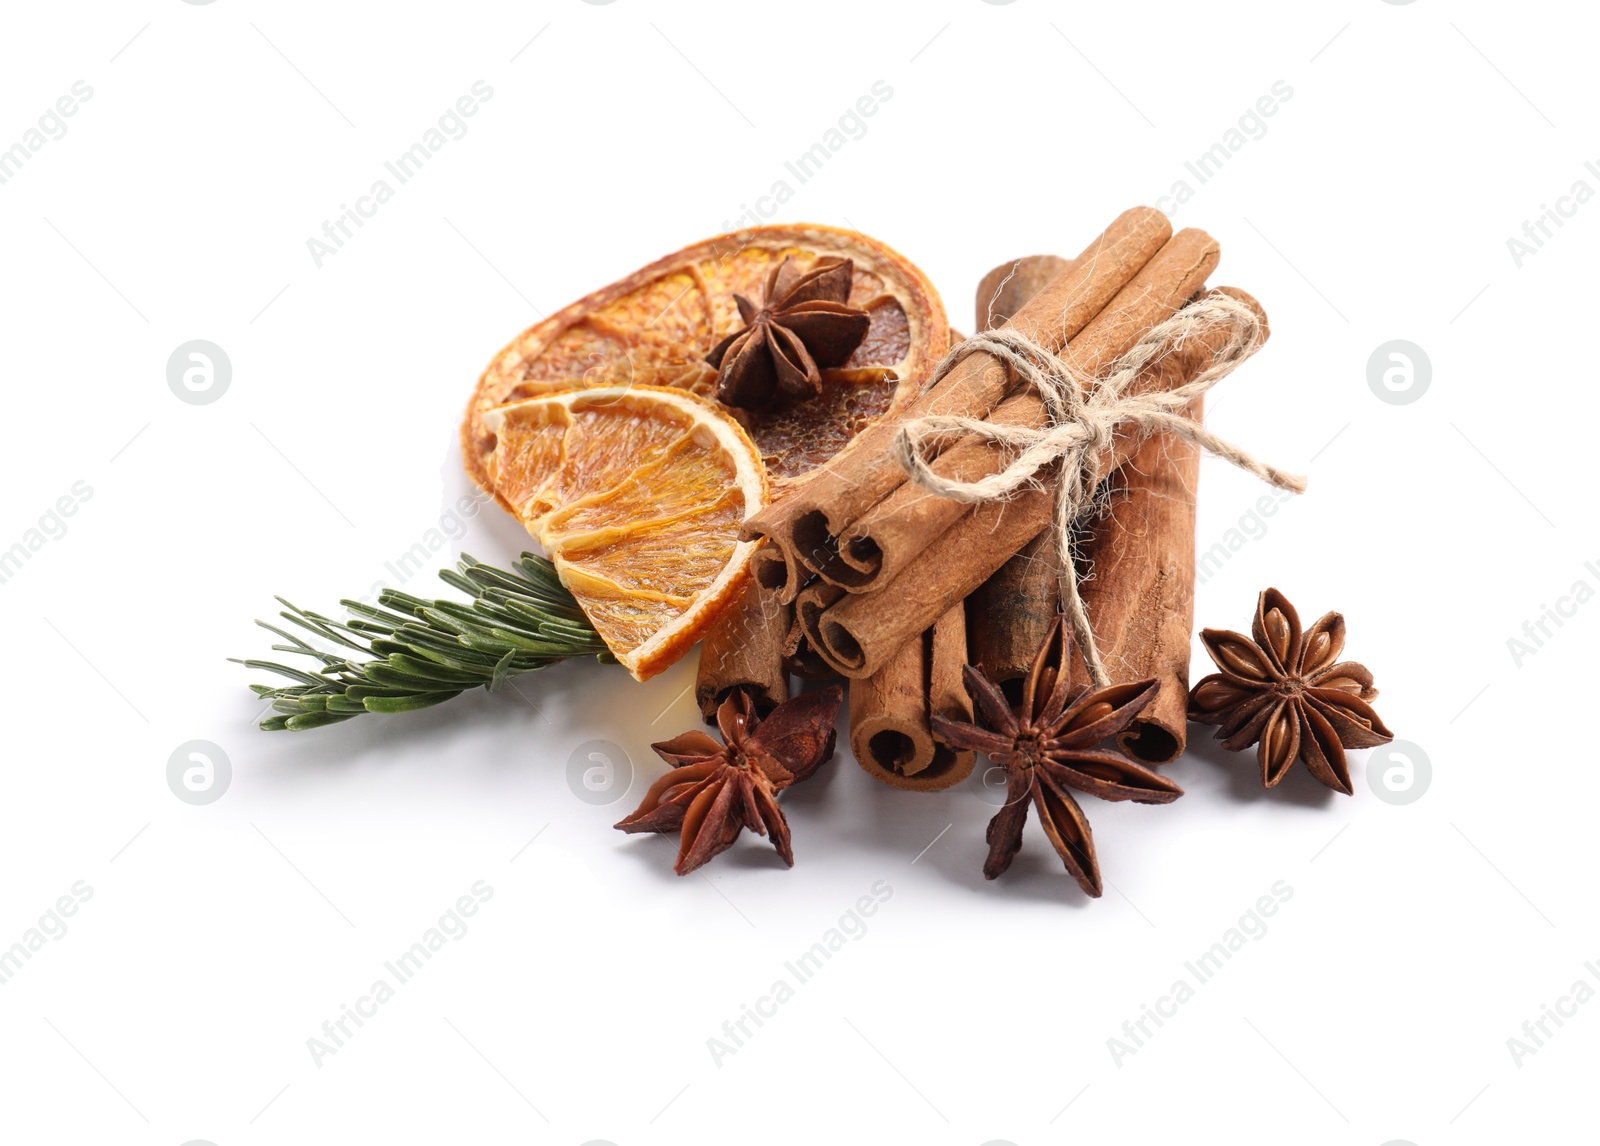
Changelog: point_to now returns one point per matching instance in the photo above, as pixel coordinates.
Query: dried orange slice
(656, 326)
(636, 494)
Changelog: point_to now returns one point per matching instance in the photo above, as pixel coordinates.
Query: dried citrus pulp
(636, 495)
(657, 325)
(598, 427)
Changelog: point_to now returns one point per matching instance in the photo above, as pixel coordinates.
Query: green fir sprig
(410, 653)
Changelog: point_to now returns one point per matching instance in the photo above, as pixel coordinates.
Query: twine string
(1084, 413)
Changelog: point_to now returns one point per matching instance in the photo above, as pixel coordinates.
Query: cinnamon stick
(890, 711)
(814, 600)
(806, 524)
(769, 567)
(859, 633)
(1006, 289)
(862, 630)
(744, 649)
(1010, 614)
(799, 658)
(1137, 569)
(890, 535)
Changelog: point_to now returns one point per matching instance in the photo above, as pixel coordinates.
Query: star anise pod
(1289, 691)
(1048, 747)
(803, 324)
(715, 790)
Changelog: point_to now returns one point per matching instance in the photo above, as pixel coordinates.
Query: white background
(218, 939)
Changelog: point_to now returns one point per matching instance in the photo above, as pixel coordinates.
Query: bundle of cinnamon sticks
(869, 576)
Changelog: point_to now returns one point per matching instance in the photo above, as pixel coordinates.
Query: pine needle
(412, 653)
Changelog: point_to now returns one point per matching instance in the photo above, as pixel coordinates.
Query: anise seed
(1316, 652)
(1211, 695)
(1240, 659)
(1091, 714)
(1277, 740)
(1342, 684)
(1277, 627)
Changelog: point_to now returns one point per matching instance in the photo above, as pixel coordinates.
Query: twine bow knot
(1084, 415)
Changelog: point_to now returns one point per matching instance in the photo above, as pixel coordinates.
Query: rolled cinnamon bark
(814, 600)
(1140, 597)
(1006, 289)
(799, 658)
(1010, 614)
(744, 649)
(862, 630)
(890, 535)
(890, 711)
(1136, 569)
(806, 524)
(769, 568)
